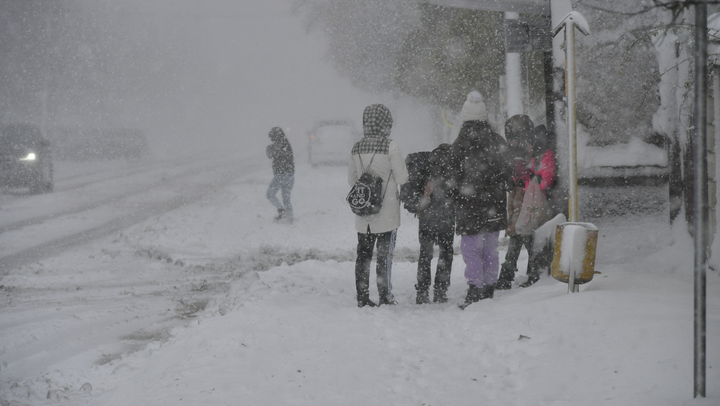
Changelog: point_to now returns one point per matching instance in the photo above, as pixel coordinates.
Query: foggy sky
(247, 66)
(193, 74)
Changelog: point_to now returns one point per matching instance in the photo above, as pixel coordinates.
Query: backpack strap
(361, 162)
(387, 183)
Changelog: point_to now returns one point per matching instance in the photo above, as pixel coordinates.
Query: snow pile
(573, 248)
(294, 336)
(635, 153)
(544, 236)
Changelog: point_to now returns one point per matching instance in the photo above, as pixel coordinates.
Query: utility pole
(701, 195)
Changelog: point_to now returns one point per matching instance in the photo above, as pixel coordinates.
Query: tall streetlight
(571, 21)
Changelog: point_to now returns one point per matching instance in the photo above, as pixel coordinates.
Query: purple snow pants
(480, 254)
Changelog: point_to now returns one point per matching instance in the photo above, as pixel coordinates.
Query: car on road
(330, 142)
(25, 158)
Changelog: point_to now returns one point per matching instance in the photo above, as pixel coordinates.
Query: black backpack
(367, 194)
(411, 193)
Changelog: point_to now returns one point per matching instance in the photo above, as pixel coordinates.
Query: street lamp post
(571, 21)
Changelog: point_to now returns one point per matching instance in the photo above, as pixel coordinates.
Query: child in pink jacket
(539, 164)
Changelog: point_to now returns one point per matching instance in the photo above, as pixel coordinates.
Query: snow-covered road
(92, 200)
(94, 308)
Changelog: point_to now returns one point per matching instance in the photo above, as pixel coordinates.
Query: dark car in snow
(330, 142)
(25, 158)
(91, 144)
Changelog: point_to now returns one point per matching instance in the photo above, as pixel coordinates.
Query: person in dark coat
(437, 227)
(482, 176)
(283, 166)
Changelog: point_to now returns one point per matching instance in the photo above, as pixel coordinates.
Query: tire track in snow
(59, 245)
(43, 218)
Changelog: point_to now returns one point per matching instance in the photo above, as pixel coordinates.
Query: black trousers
(444, 240)
(385, 247)
(515, 244)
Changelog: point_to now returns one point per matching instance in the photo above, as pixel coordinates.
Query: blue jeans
(283, 182)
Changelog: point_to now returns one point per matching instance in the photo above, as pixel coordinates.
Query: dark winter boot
(473, 294)
(280, 216)
(506, 277)
(423, 297)
(532, 278)
(386, 297)
(487, 292)
(365, 301)
(387, 300)
(440, 296)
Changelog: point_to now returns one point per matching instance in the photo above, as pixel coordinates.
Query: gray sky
(252, 66)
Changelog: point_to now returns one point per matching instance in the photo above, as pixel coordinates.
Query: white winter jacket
(388, 218)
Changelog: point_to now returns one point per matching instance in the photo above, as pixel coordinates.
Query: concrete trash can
(574, 253)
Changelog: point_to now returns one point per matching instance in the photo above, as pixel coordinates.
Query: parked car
(330, 142)
(25, 158)
(87, 143)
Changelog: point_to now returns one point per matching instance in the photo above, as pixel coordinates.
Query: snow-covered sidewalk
(292, 335)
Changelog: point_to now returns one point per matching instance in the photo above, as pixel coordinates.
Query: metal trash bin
(574, 254)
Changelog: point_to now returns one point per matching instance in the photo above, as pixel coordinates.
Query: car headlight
(29, 157)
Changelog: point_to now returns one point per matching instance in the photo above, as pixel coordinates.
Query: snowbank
(634, 153)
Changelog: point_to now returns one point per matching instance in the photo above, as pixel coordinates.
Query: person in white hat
(474, 108)
(482, 175)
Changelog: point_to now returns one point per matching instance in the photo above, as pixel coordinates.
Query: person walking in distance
(283, 166)
(380, 156)
(482, 176)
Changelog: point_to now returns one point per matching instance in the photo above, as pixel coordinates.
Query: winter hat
(474, 108)
(377, 121)
(518, 127)
(539, 139)
(276, 133)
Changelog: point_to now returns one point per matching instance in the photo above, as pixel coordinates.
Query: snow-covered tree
(433, 53)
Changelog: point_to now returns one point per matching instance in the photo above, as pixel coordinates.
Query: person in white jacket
(377, 154)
